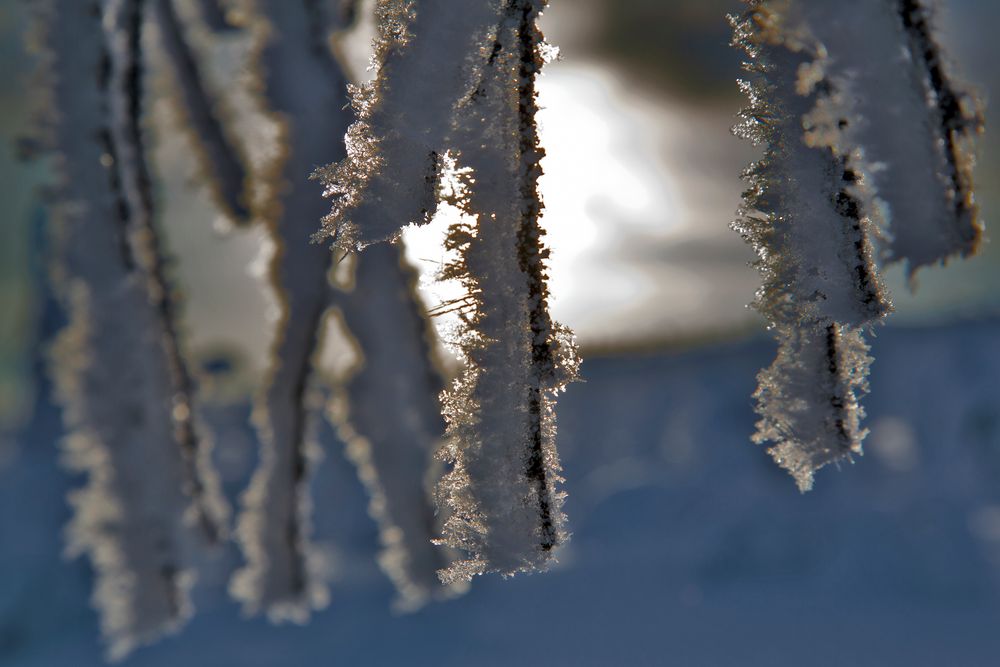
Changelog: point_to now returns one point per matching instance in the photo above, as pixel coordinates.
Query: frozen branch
(392, 421)
(221, 164)
(809, 399)
(429, 53)
(810, 212)
(502, 493)
(915, 128)
(305, 90)
(118, 365)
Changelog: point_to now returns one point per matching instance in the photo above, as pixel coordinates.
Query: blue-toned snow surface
(689, 546)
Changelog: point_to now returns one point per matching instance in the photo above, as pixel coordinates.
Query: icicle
(222, 166)
(810, 212)
(914, 128)
(428, 54)
(118, 368)
(397, 375)
(502, 493)
(304, 88)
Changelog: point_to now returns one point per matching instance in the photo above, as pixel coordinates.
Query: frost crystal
(811, 395)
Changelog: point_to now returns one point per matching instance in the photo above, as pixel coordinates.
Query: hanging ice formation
(302, 87)
(121, 376)
(868, 158)
(455, 93)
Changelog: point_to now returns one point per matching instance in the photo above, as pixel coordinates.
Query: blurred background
(689, 546)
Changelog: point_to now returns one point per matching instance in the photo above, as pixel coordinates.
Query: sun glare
(604, 182)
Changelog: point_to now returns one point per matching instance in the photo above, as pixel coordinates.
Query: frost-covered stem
(222, 165)
(502, 491)
(303, 87)
(809, 399)
(117, 365)
(810, 213)
(957, 119)
(530, 257)
(428, 55)
(910, 129)
(382, 313)
(855, 91)
(396, 376)
(125, 91)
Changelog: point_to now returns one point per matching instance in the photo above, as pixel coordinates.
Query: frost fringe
(810, 213)
(502, 495)
(274, 528)
(428, 54)
(118, 366)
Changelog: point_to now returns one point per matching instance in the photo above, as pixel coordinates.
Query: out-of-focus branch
(120, 374)
(222, 166)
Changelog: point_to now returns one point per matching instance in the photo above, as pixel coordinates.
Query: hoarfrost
(870, 152)
(810, 212)
(428, 54)
(913, 126)
(810, 399)
(303, 88)
(502, 495)
(118, 365)
(396, 372)
(222, 165)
